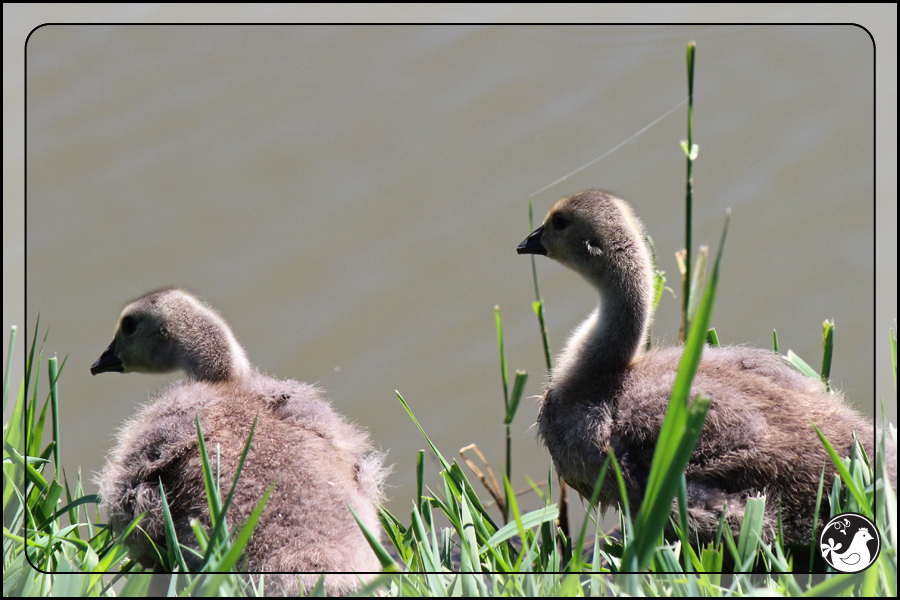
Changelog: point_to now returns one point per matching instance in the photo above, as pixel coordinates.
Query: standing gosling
(319, 461)
(607, 392)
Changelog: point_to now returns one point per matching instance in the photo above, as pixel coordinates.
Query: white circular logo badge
(850, 543)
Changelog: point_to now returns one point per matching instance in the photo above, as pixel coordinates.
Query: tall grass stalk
(511, 405)
(690, 151)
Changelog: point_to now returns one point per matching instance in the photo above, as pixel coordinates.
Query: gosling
(607, 392)
(320, 463)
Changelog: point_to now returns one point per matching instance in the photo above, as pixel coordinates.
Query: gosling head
(172, 330)
(596, 235)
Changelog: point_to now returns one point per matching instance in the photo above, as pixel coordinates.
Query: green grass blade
(659, 277)
(836, 586)
(697, 281)
(36, 435)
(220, 532)
(318, 590)
(678, 436)
(530, 520)
(518, 391)
(420, 476)
(801, 365)
(813, 541)
(712, 559)
(12, 344)
(517, 517)
(888, 497)
(434, 449)
(595, 495)
(387, 563)
(91, 499)
(430, 561)
(690, 154)
(828, 349)
(212, 493)
(538, 307)
(175, 557)
(751, 530)
(32, 475)
(54, 404)
(243, 537)
(502, 358)
(469, 561)
(683, 530)
(14, 442)
(30, 365)
(846, 477)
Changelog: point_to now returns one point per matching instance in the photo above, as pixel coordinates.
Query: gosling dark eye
(129, 325)
(559, 222)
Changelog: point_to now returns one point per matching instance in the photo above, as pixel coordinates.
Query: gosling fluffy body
(320, 463)
(607, 392)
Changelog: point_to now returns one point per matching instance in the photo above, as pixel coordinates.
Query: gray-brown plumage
(319, 461)
(607, 392)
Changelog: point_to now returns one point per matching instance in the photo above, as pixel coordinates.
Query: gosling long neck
(201, 342)
(210, 352)
(613, 335)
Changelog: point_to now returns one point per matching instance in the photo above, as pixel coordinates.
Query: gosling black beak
(532, 244)
(108, 361)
